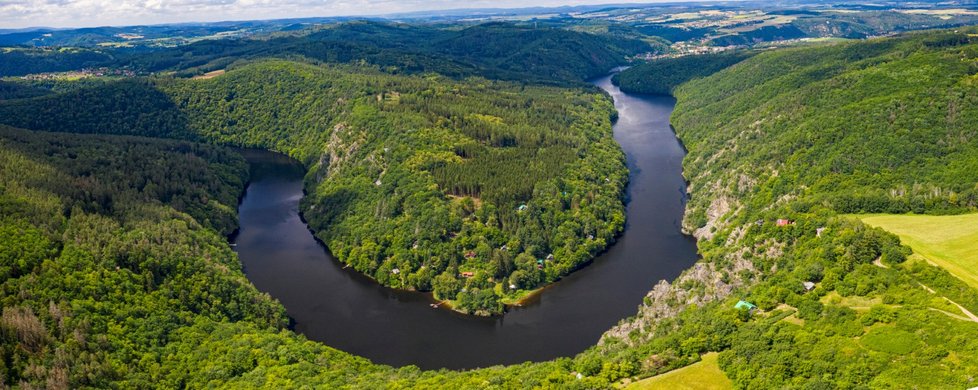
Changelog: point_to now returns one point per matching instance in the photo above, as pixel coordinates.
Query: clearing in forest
(209, 75)
(704, 375)
(950, 241)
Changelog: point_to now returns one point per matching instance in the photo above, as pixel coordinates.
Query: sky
(87, 13)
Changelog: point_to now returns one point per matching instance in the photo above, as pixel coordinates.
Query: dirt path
(970, 316)
(930, 290)
(949, 314)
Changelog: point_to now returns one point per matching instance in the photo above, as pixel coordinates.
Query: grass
(853, 302)
(705, 374)
(890, 340)
(949, 241)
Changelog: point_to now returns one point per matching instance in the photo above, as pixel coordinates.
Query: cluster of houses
(87, 72)
(682, 49)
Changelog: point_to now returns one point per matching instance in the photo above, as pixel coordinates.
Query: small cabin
(744, 305)
(521, 208)
(809, 286)
(785, 222)
(395, 271)
(467, 274)
(550, 257)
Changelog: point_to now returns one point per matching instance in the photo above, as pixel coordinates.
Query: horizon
(73, 14)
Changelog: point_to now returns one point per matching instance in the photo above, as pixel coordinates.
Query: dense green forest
(879, 126)
(663, 75)
(517, 185)
(108, 175)
(110, 245)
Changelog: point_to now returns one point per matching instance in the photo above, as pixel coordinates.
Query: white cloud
(77, 13)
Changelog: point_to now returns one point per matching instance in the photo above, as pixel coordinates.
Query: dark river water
(348, 311)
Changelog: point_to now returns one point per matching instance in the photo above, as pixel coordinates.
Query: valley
(762, 197)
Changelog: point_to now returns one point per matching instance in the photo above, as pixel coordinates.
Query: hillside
(491, 50)
(430, 177)
(18, 61)
(802, 135)
(877, 126)
(110, 244)
(663, 75)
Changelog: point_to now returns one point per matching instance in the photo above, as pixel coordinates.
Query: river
(349, 311)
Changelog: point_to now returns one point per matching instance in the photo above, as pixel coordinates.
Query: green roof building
(745, 305)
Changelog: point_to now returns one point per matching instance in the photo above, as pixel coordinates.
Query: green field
(891, 340)
(948, 241)
(705, 374)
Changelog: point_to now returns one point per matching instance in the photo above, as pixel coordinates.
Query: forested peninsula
(477, 190)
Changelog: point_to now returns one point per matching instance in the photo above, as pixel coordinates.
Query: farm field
(705, 374)
(949, 241)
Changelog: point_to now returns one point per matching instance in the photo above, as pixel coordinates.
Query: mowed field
(949, 241)
(704, 375)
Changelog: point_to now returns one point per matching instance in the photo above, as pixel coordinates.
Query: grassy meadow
(703, 375)
(949, 241)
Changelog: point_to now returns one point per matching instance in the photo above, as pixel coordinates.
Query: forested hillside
(663, 75)
(413, 181)
(779, 146)
(109, 246)
(885, 125)
(492, 50)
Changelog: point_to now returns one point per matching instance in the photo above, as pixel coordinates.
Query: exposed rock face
(716, 195)
(719, 207)
(342, 145)
(703, 283)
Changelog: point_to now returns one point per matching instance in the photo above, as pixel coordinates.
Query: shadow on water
(349, 311)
